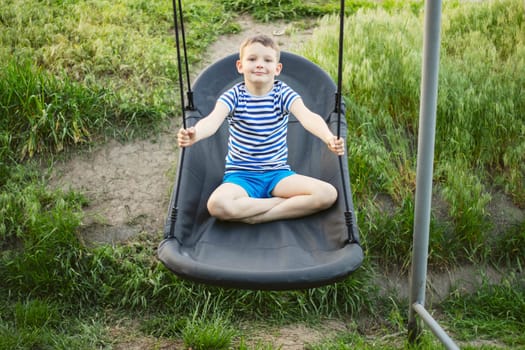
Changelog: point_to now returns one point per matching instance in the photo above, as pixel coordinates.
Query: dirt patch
(503, 212)
(288, 337)
(298, 336)
(127, 186)
(127, 336)
(145, 343)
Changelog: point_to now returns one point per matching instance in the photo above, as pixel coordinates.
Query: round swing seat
(272, 258)
(307, 252)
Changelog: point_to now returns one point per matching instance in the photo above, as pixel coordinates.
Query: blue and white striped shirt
(258, 128)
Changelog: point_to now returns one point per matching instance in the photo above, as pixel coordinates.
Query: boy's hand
(336, 145)
(186, 137)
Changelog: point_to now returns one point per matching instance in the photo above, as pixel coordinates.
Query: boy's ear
(238, 64)
(278, 68)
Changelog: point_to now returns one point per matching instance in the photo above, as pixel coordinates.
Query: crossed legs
(293, 197)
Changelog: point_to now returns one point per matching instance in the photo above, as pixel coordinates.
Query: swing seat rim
(343, 262)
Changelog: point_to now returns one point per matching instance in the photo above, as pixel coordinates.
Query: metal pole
(425, 158)
(435, 327)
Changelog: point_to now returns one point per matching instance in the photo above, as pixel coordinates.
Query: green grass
(74, 73)
(358, 341)
(44, 113)
(208, 329)
(267, 10)
(512, 242)
(41, 324)
(119, 44)
(73, 69)
(493, 311)
(481, 116)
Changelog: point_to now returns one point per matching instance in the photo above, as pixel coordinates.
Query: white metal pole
(435, 327)
(425, 158)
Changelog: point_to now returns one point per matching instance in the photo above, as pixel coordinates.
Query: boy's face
(259, 64)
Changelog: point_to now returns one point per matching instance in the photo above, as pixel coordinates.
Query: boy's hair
(262, 39)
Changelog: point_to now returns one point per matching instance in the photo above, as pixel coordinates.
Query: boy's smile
(259, 66)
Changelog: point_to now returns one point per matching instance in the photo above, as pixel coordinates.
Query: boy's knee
(327, 195)
(214, 207)
(218, 208)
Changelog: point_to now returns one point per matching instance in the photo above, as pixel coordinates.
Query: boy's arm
(204, 127)
(316, 125)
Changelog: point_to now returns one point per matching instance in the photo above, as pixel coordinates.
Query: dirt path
(127, 186)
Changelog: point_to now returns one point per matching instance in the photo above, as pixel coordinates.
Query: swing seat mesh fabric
(290, 254)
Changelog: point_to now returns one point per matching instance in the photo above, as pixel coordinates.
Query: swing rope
(178, 16)
(339, 110)
(190, 105)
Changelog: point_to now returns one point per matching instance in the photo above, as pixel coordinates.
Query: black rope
(177, 10)
(339, 110)
(183, 32)
(338, 94)
(179, 60)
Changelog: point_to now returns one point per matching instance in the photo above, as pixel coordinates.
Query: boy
(258, 185)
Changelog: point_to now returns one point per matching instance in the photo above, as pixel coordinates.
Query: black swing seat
(290, 254)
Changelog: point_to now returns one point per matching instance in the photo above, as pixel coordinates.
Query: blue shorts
(258, 184)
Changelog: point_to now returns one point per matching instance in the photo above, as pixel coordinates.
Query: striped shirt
(258, 128)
